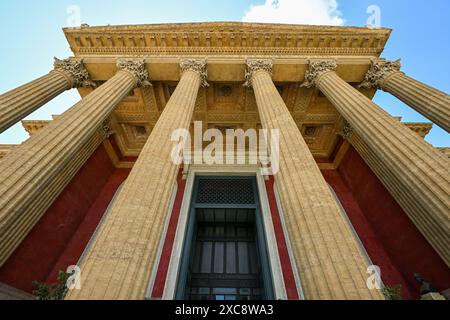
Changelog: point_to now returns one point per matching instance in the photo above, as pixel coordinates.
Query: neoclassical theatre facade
(97, 187)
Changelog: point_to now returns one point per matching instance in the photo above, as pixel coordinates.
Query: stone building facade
(97, 186)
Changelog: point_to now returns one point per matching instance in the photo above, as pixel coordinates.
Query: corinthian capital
(257, 65)
(196, 65)
(378, 72)
(137, 68)
(316, 69)
(75, 71)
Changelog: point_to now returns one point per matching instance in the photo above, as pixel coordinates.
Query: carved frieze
(227, 38)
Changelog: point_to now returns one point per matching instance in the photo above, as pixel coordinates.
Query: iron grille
(225, 191)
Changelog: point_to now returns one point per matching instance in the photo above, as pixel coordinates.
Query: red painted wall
(163, 267)
(286, 266)
(389, 236)
(60, 236)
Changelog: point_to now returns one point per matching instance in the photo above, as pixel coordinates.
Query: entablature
(231, 68)
(226, 38)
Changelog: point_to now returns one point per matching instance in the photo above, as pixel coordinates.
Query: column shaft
(22, 101)
(420, 171)
(430, 102)
(30, 171)
(329, 260)
(120, 261)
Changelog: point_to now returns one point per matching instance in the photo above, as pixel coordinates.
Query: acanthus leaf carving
(316, 69)
(379, 70)
(75, 70)
(196, 65)
(137, 68)
(256, 65)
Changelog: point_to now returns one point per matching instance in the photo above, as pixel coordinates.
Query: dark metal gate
(225, 255)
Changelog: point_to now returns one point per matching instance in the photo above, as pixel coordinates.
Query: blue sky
(31, 36)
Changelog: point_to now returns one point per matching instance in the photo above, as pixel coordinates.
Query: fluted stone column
(418, 171)
(20, 102)
(29, 173)
(329, 260)
(430, 102)
(120, 261)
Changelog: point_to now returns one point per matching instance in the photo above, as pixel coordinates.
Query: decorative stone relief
(200, 103)
(149, 97)
(303, 99)
(105, 129)
(254, 66)
(137, 68)
(234, 39)
(346, 131)
(317, 68)
(378, 72)
(75, 70)
(196, 65)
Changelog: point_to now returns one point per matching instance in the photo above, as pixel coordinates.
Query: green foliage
(55, 291)
(393, 293)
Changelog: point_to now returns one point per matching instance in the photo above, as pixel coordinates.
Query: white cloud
(313, 12)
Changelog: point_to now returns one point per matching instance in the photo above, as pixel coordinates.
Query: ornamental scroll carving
(137, 68)
(316, 69)
(379, 70)
(198, 66)
(75, 70)
(257, 65)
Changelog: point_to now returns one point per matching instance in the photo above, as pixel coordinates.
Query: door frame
(260, 241)
(279, 290)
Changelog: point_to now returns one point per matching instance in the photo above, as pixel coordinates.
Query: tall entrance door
(225, 253)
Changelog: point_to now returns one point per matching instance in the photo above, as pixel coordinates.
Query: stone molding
(255, 66)
(75, 71)
(228, 38)
(136, 67)
(379, 70)
(196, 65)
(316, 70)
